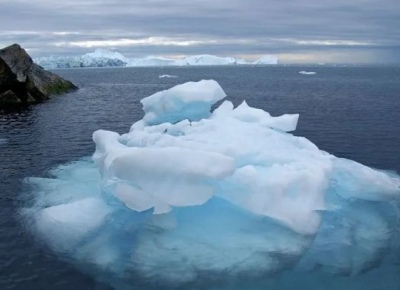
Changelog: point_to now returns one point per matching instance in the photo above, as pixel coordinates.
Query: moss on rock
(23, 82)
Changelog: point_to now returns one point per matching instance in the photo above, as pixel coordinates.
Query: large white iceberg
(189, 196)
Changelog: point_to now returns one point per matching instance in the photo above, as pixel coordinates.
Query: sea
(350, 111)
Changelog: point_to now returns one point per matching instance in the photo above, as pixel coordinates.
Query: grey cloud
(236, 27)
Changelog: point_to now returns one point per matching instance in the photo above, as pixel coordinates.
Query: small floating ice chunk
(167, 76)
(307, 72)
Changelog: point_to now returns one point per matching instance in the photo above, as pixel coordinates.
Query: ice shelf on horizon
(108, 58)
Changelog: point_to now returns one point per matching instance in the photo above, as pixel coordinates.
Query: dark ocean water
(352, 112)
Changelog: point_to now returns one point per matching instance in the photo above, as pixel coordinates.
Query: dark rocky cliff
(24, 82)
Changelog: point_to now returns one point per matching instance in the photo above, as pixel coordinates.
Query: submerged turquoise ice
(227, 199)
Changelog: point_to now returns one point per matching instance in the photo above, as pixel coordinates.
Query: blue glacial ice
(194, 198)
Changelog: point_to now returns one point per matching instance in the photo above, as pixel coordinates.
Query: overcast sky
(294, 30)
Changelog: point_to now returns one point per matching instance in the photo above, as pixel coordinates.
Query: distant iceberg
(150, 61)
(307, 72)
(107, 58)
(167, 76)
(206, 60)
(87, 60)
(194, 199)
(266, 59)
(105, 54)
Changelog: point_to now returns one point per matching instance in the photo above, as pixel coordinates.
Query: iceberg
(108, 58)
(206, 60)
(266, 59)
(190, 198)
(106, 54)
(149, 61)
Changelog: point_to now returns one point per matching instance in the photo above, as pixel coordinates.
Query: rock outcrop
(22, 81)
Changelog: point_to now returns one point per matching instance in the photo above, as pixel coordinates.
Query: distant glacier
(108, 58)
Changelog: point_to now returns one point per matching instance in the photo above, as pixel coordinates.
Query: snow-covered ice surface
(307, 72)
(191, 100)
(108, 58)
(231, 199)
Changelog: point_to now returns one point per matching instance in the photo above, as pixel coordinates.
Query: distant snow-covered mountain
(108, 58)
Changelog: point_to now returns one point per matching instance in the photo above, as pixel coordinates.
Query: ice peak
(106, 53)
